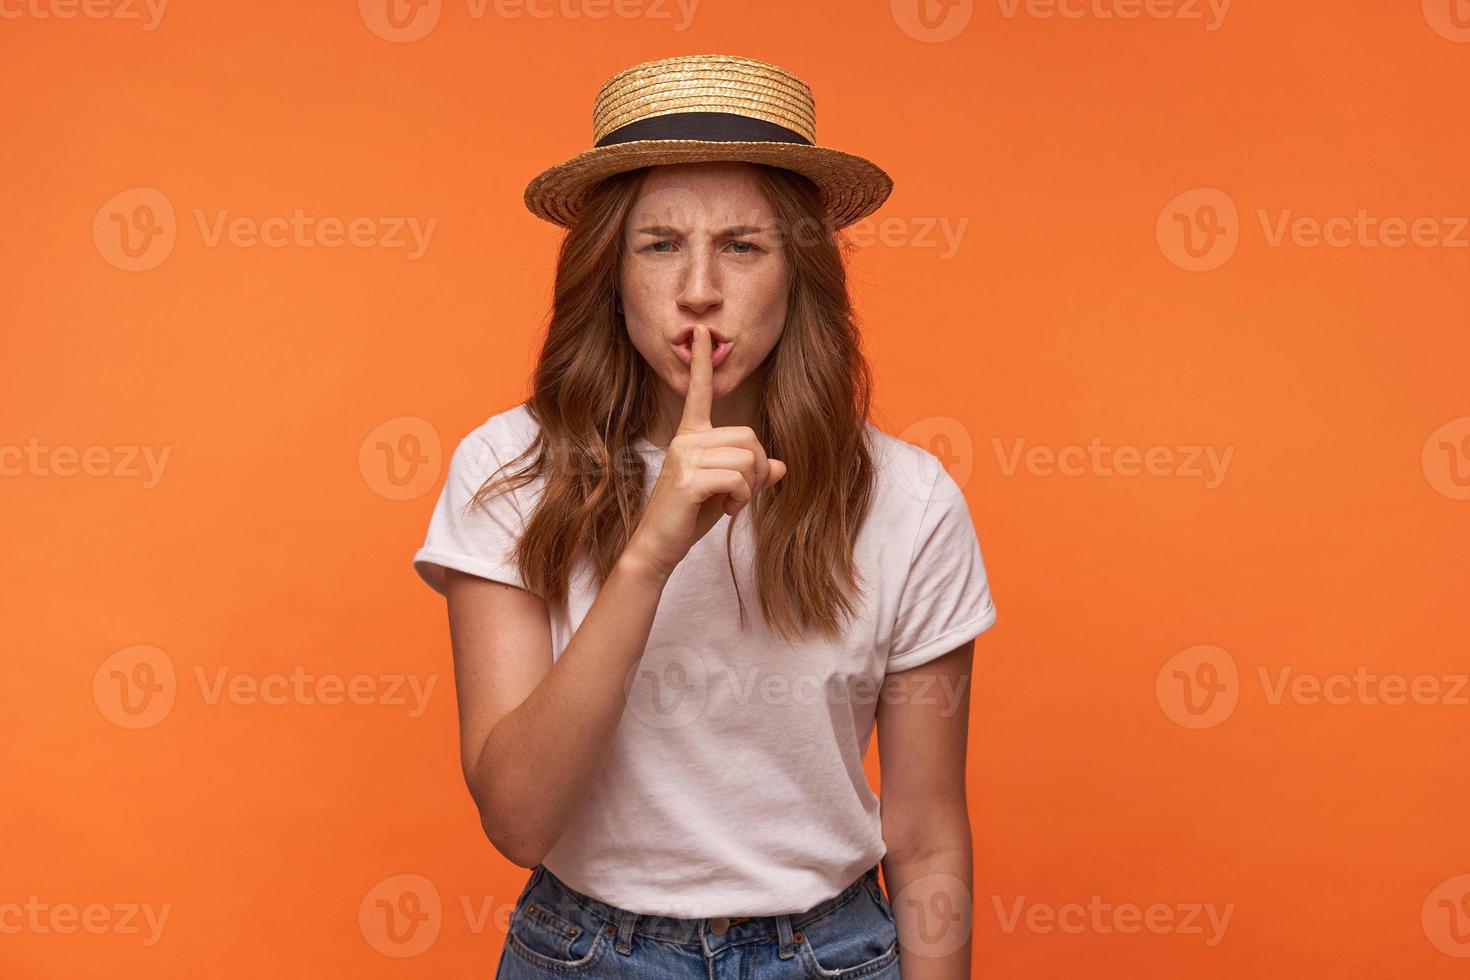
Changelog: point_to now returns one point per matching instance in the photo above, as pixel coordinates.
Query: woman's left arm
(923, 722)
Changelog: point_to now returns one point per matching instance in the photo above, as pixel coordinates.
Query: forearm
(930, 883)
(539, 762)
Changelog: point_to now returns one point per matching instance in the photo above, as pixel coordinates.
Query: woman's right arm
(535, 730)
(533, 734)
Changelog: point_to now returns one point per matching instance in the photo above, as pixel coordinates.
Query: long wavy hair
(593, 396)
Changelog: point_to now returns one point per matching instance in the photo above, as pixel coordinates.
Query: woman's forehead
(700, 196)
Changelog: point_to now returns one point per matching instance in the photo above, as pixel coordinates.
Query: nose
(700, 288)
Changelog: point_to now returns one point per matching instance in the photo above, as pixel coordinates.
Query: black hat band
(718, 127)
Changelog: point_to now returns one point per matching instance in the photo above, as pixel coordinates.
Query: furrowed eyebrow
(665, 230)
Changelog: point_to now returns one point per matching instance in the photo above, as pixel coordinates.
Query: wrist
(633, 565)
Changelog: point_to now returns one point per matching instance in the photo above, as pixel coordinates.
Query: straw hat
(701, 108)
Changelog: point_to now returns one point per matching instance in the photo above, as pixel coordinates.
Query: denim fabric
(556, 931)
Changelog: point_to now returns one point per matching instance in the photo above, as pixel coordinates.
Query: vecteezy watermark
(1210, 13)
(400, 459)
(137, 687)
(147, 12)
(679, 13)
(404, 21)
(401, 916)
(1363, 230)
(670, 210)
(1098, 917)
(674, 685)
(940, 233)
(121, 462)
(38, 917)
(1446, 458)
(948, 440)
(1362, 686)
(1445, 916)
(936, 21)
(932, 21)
(1200, 687)
(136, 230)
(1095, 459)
(1199, 230)
(1450, 19)
(935, 915)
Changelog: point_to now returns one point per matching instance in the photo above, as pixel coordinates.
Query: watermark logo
(1210, 13)
(1363, 230)
(1201, 686)
(126, 462)
(948, 440)
(1363, 687)
(400, 21)
(39, 918)
(298, 687)
(1195, 462)
(135, 229)
(405, 21)
(668, 686)
(1446, 458)
(673, 686)
(678, 12)
(1446, 916)
(1198, 687)
(401, 915)
(135, 687)
(148, 13)
(934, 913)
(932, 21)
(940, 233)
(400, 459)
(1203, 919)
(1450, 19)
(1198, 230)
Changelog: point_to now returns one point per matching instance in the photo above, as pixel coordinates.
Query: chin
(718, 387)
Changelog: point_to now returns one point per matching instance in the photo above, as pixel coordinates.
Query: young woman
(683, 778)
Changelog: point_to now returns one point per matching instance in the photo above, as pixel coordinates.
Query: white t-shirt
(734, 784)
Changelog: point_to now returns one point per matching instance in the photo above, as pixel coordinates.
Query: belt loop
(626, 921)
(787, 945)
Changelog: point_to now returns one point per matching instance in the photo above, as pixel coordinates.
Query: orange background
(273, 540)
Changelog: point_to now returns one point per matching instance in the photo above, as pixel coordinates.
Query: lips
(686, 352)
(686, 336)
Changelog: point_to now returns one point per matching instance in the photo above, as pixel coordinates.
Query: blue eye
(751, 244)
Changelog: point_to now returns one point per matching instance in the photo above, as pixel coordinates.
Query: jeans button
(718, 926)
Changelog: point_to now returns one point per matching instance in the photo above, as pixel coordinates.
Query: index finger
(697, 400)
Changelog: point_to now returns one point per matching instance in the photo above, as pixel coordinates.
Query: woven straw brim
(852, 187)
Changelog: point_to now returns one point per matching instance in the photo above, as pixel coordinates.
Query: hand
(707, 472)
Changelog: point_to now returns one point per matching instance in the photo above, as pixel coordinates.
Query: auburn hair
(593, 396)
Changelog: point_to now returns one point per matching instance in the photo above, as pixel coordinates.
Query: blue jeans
(556, 931)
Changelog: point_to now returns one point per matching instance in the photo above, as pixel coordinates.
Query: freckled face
(701, 245)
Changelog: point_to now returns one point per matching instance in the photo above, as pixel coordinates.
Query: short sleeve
(945, 598)
(481, 542)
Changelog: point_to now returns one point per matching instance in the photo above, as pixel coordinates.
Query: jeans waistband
(682, 930)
